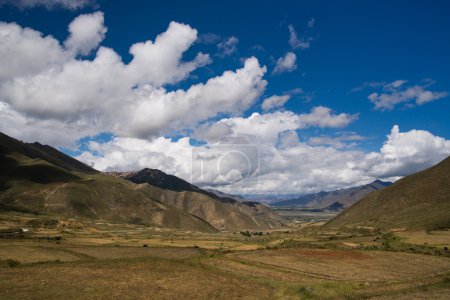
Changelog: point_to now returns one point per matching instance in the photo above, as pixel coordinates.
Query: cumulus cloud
(50, 4)
(42, 80)
(287, 63)
(86, 33)
(25, 52)
(397, 92)
(52, 92)
(47, 131)
(160, 62)
(228, 46)
(311, 22)
(128, 154)
(322, 116)
(404, 153)
(298, 43)
(274, 102)
(266, 127)
(286, 164)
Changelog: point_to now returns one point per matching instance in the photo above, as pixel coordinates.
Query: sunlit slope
(222, 212)
(421, 200)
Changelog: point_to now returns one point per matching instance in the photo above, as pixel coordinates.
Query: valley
(69, 231)
(69, 259)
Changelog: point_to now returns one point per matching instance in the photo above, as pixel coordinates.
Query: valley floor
(73, 260)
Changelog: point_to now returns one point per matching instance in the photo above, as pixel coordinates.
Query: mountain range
(223, 212)
(39, 179)
(334, 200)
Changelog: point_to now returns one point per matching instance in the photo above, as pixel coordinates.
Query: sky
(267, 97)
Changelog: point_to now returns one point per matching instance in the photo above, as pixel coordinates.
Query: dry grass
(125, 279)
(25, 253)
(134, 252)
(106, 260)
(351, 265)
(435, 238)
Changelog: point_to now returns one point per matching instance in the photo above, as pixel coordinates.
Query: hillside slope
(222, 212)
(421, 200)
(40, 179)
(345, 197)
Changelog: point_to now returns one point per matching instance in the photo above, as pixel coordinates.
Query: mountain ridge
(346, 197)
(222, 212)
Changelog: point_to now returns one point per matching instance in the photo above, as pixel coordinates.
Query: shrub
(12, 263)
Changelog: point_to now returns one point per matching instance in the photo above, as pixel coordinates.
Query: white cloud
(406, 153)
(287, 63)
(232, 92)
(50, 4)
(86, 33)
(396, 92)
(25, 52)
(295, 42)
(48, 93)
(311, 22)
(266, 127)
(274, 102)
(47, 131)
(321, 116)
(128, 154)
(286, 165)
(160, 62)
(228, 46)
(42, 80)
(338, 142)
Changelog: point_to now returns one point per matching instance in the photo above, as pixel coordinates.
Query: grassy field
(75, 259)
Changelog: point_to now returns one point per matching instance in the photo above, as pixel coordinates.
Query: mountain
(419, 201)
(39, 179)
(223, 212)
(345, 197)
(44, 153)
(224, 195)
(336, 206)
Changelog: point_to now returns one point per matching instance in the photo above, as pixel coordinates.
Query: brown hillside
(40, 179)
(421, 200)
(221, 214)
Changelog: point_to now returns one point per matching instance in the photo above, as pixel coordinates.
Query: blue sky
(354, 49)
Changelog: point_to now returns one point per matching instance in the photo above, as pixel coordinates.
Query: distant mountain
(39, 179)
(222, 211)
(419, 201)
(336, 206)
(345, 197)
(225, 195)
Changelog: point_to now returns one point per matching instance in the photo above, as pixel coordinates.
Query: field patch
(27, 254)
(100, 252)
(357, 266)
